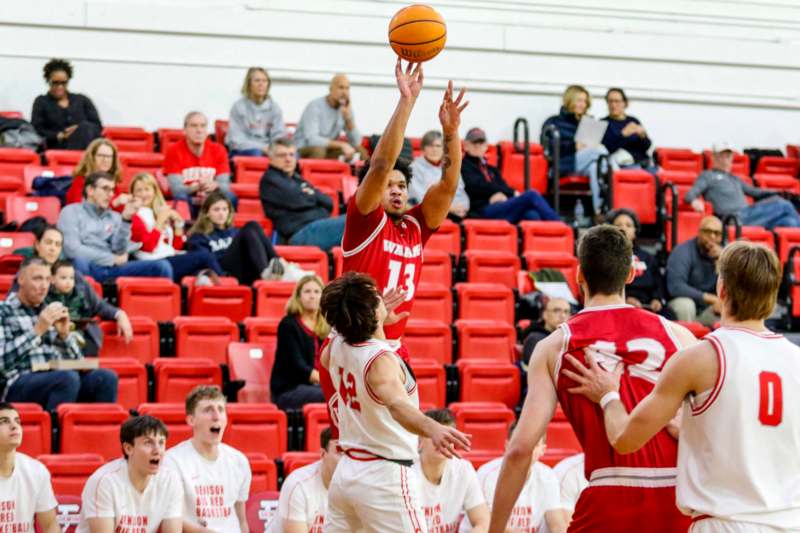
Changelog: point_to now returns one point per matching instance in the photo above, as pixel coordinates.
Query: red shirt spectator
(179, 157)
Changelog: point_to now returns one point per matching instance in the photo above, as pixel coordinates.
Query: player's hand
(450, 111)
(593, 381)
(410, 81)
(448, 440)
(391, 300)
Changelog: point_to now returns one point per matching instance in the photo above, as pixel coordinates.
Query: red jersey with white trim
(389, 251)
(642, 342)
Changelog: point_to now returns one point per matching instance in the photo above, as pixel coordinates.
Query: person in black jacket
(300, 212)
(295, 381)
(647, 288)
(65, 120)
(625, 132)
(489, 194)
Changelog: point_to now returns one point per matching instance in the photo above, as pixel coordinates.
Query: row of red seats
(685, 160)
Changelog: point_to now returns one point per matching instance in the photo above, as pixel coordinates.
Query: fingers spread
(573, 376)
(463, 106)
(577, 365)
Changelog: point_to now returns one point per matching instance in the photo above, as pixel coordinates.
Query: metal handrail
(552, 134)
(526, 149)
(673, 217)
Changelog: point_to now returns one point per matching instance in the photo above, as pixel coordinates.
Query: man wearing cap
(489, 194)
(726, 193)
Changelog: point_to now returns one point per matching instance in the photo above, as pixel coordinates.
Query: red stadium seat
(10, 186)
(487, 422)
(776, 165)
(697, 329)
(12, 114)
(175, 378)
(485, 266)
(433, 302)
(69, 158)
(781, 182)
(190, 283)
(787, 239)
(91, 428)
(6, 281)
(437, 267)
(560, 434)
(309, 258)
(155, 298)
(429, 339)
(174, 417)
(10, 241)
(636, 190)
(567, 264)
(479, 300)
(271, 298)
(135, 162)
(250, 210)
(447, 239)
(69, 471)
(132, 376)
(486, 340)
(249, 169)
(145, 344)
(14, 160)
(679, 159)
(491, 235)
(688, 221)
(431, 382)
(9, 264)
(21, 208)
(262, 331)
(252, 363)
(31, 172)
(167, 137)
(261, 509)
(205, 336)
(234, 303)
(489, 381)
(36, 429)
(315, 169)
(256, 427)
(129, 139)
(294, 460)
(513, 166)
(264, 472)
(547, 236)
(756, 234)
(220, 130)
(316, 419)
(741, 163)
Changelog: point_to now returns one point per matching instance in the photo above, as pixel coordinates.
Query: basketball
(417, 33)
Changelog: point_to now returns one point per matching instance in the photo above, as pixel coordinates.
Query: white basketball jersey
(739, 452)
(365, 424)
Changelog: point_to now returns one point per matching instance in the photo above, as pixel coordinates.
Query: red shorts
(628, 510)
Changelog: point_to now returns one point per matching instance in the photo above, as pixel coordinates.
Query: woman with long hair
(100, 156)
(159, 229)
(255, 120)
(295, 381)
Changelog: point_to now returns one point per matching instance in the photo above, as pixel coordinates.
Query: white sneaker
(293, 272)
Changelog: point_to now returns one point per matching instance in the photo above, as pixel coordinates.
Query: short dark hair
(61, 263)
(32, 260)
(40, 230)
(202, 392)
(6, 406)
(430, 137)
(612, 216)
(605, 255)
(617, 90)
(349, 303)
(54, 65)
(402, 165)
(138, 426)
(93, 178)
(444, 416)
(286, 142)
(325, 437)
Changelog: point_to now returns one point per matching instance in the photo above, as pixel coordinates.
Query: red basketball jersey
(389, 251)
(643, 342)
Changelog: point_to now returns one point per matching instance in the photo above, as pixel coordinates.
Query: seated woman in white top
(427, 170)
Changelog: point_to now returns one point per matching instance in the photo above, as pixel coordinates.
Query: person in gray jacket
(427, 170)
(98, 239)
(256, 119)
(324, 119)
(692, 275)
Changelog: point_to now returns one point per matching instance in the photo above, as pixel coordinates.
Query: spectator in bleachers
(450, 487)
(159, 229)
(196, 165)
(572, 481)
(98, 239)
(625, 133)
(48, 246)
(489, 194)
(324, 119)
(576, 158)
(426, 170)
(65, 120)
(303, 502)
(556, 311)
(255, 119)
(295, 381)
(692, 275)
(300, 212)
(32, 333)
(647, 288)
(99, 156)
(245, 253)
(726, 193)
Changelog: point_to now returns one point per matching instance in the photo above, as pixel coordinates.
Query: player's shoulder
(110, 473)
(301, 476)
(31, 466)
(490, 467)
(461, 467)
(229, 453)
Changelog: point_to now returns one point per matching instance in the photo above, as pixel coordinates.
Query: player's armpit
(47, 521)
(101, 525)
(479, 518)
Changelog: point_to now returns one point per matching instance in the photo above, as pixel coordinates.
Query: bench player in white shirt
(374, 486)
(450, 487)
(25, 489)
(571, 482)
(738, 460)
(134, 494)
(215, 477)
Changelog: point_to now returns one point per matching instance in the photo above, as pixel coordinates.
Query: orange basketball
(417, 33)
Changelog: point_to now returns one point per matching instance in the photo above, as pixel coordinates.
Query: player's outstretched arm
(439, 197)
(370, 191)
(540, 404)
(384, 380)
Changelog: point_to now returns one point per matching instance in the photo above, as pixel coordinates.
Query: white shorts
(375, 496)
(717, 525)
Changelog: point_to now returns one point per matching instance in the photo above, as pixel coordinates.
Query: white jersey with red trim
(738, 457)
(365, 424)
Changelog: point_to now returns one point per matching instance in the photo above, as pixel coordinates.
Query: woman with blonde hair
(575, 157)
(255, 119)
(159, 230)
(295, 381)
(100, 156)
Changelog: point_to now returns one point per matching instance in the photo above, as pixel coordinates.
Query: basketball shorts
(628, 510)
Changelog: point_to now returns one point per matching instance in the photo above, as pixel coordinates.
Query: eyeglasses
(104, 156)
(56, 83)
(106, 188)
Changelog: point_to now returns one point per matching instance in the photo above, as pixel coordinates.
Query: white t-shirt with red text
(457, 492)
(304, 498)
(24, 493)
(109, 493)
(211, 488)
